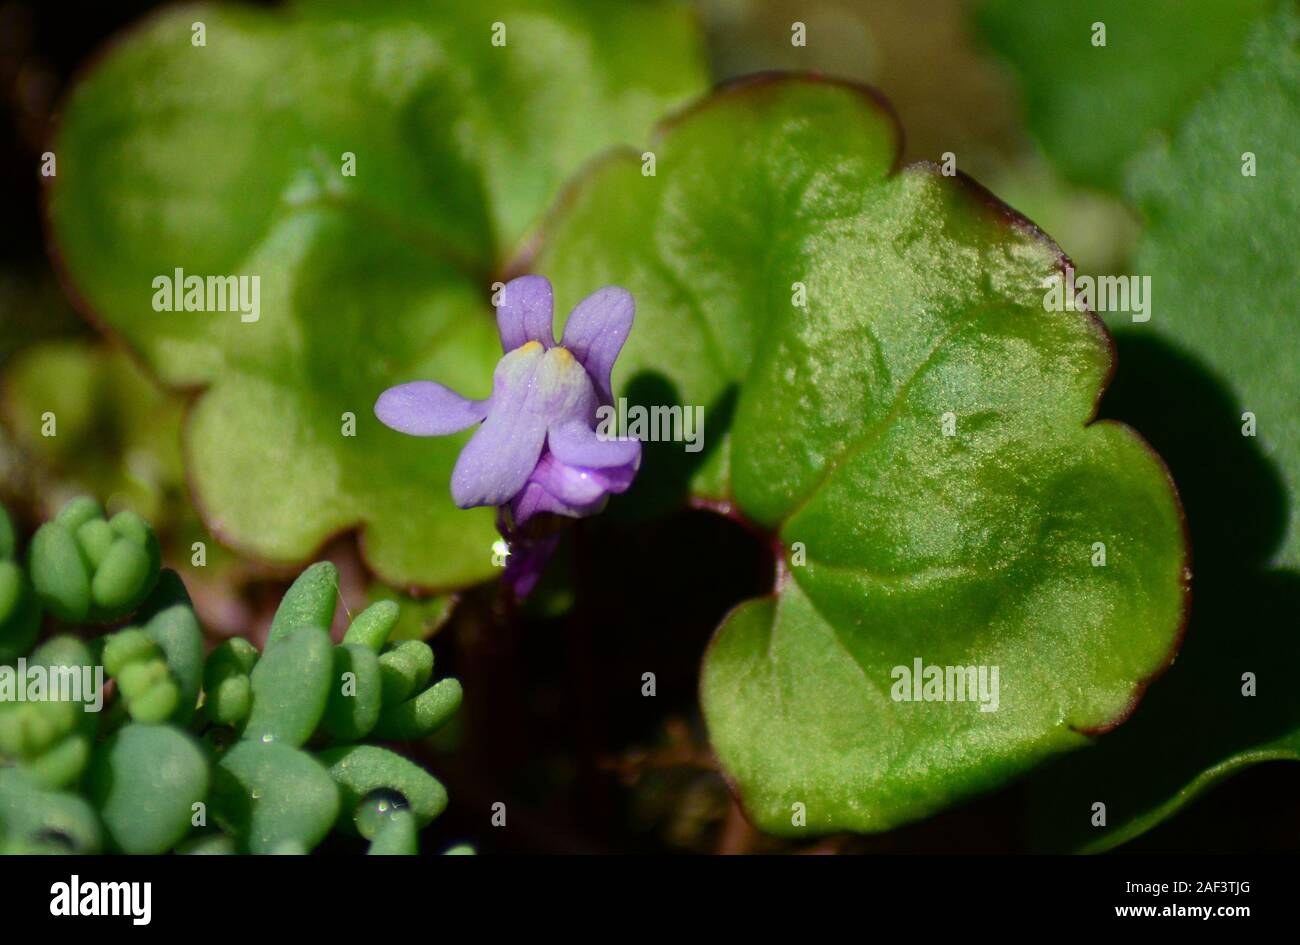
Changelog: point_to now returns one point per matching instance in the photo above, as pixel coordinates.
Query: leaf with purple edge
(232, 159)
(916, 429)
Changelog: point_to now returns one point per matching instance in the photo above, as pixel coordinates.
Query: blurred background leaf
(118, 435)
(1094, 105)
(1220, 247)
(368, 280)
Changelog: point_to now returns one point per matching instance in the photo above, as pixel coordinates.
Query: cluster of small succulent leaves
(235, 751)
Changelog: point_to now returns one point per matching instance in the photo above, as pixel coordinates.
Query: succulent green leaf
(20, 612)
(213, 844)
(371, 627)
(421, 715)
(45, 821)
(1093, 107)
(144, 780)
(143, 679)
(61, 765)
(398, 835)
(59, 573)
(271, 795)
(459, 145)
(291, 687)
(356, 693)
(419, 618)
(88, 569)
(913, 426)
(404, 668)
(125, 647)
(309, 601)
(363, 770)
(51, 737)
(175, 629)
(227, 688)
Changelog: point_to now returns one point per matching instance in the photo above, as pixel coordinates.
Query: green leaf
(291, 687)
(396, 836)
(30, 815)
(86, 568)
(143, 679)
(20, 612)
(213, 844)
(1094, 107)
(404, 669)
(227, 687)
(366, 771)
(416, 618)
(175, 629)
(421, 715)
(354, 703)
(372, 626)
(365, 280)
(309, 601)
(1220, 247)
(144, 780)
(270, 795)
(51, 738)
(924, 297)
(118, 435)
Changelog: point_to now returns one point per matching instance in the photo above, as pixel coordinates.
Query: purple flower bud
(535, 450)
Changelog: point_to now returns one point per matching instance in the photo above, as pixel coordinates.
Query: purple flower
(536, 450)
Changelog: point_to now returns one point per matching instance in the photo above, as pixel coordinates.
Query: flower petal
(526, 312)
(576, 444)
(572, 485)
(496, 462)
(595, 333)
(424, 408)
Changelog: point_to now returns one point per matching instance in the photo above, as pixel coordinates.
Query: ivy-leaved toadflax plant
(536, 450)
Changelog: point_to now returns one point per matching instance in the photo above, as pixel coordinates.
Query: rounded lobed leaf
(386, 162)
(912, 420)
